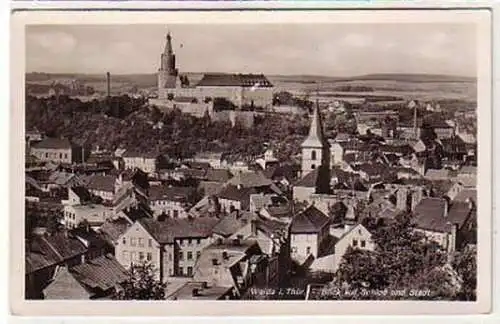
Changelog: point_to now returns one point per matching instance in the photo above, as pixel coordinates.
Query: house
(58, 150)
(309, 229)
(225, 270)
(103, 186)
(437, 174)
(232, 197)
(172, 246)
(171, 201)
(356, 237)
(146, 162)
(33, 135)
(267, 160)
(99, 278)
(213, 158)
(44, 254)
(112, 230)
(310, 184)
(80, 207)
(444, 224)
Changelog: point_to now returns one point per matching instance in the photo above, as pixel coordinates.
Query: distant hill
(409, 78)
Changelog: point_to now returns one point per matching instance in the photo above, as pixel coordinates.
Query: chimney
(253, 226)
(108, 84)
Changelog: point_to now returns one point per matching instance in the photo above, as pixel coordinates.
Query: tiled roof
(279, 211)
(101, 183)
(53, 143)
(210, 187)
(219, 175)
(242, 195)
(309, 181)
(171, 228)
(429, 215)
(60, 178)
(94, 239)
(103, 273)
(136, 213)
(180, 194)
(459, 212)
(310, 220)
(231, 223)
(250, 179)
(114, 229)
(234, 80)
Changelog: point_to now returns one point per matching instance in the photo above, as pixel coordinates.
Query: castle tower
(167, 74)
(315, 149)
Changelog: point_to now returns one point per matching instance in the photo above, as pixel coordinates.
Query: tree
(465, 264)
(142, 284)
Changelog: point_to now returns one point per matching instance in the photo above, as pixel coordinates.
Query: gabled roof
(60, 178)
(242, 195)
(112, 230)
(429, 214)
(102, 273)
(250, 180)
(53, 143)
(309, 181)
(167, 231)
(218, 175)
(459, 212)
(231, 223)
(179, 194)
(101, 183)
(82, 193)
(310, 220)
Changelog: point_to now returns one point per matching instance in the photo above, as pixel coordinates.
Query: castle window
(313, 155)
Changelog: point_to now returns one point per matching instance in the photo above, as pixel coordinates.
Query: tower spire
(168, 45)
(316, 138)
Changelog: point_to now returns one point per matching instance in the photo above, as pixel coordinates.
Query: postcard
(251, 162)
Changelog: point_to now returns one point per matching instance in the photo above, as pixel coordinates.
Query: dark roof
(310, 220)
(66, 246)
(219, 175)
(242, 195)
(172, 228)
(88, 234)
(180, 194)
(102, 273)
(234, 80)
(309, 181)
(40, 255)
(53, 143)
(198, 165)
(82, 193)
(231, 223)
(250, 179)
(279, 211)
(402, 149)
(136, 213)
(101, 183)
(454, 145)
(429, 215)
(114, 229)
(210, 187)
(459, 212)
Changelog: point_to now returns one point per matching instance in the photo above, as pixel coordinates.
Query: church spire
(168, 45)
(316, 137)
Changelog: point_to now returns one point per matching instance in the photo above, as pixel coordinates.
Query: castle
(244, 91)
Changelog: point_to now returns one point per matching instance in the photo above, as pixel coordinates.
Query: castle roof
(234, 80)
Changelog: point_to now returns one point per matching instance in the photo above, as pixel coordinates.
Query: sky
(274, 49)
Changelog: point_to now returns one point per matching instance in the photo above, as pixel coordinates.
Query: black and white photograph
(269, 162)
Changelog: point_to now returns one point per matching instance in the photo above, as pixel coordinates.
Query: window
(141, 242)
(46, 155)
(133, 256)
(181, 241)
(313, 166)
(190, 255)
(313, 155)
(354, 242)
(190, 241)
(363, 243)
(181, 255)
(170, 257)
(150, 243)
(198, 254)
(198, 241)
(65, 155)
(181, 271)
(308, 250)
(176, 213)
(133, 241)
(190, 271)
(141, 256)
(124, 241)
(60, 155)
(149, 256)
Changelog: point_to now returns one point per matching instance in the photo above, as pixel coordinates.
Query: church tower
(167, 74)
(315, 149)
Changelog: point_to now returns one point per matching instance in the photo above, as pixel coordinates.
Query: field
(402, 86)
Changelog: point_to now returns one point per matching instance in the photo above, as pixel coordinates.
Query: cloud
(56, 42)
